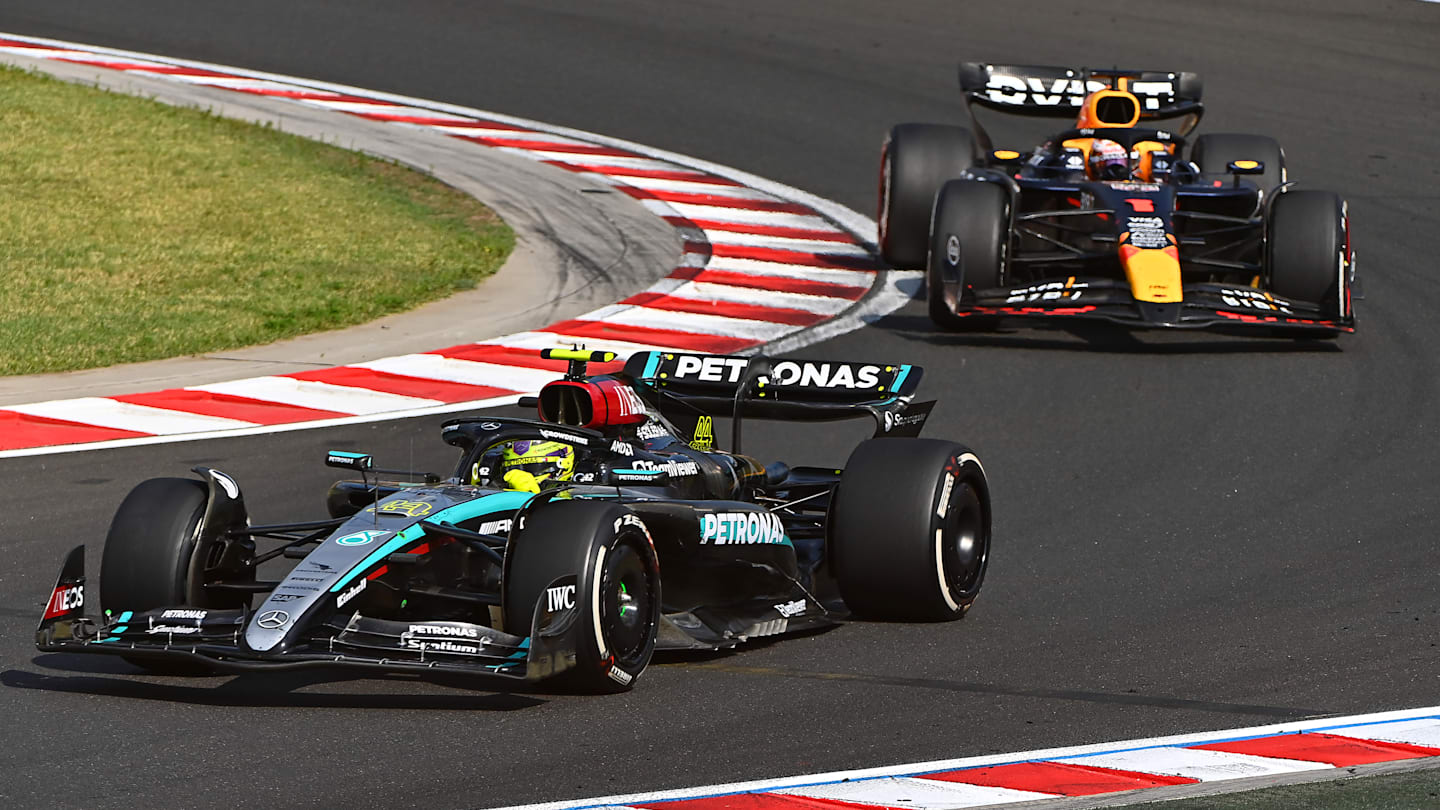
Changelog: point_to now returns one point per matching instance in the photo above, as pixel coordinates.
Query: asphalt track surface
(1191, 532)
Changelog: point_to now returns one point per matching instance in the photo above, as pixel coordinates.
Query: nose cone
(1154, 273)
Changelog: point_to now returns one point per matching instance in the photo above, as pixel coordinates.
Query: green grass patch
(131, 230)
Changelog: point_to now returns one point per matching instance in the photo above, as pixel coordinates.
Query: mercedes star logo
(273, 619)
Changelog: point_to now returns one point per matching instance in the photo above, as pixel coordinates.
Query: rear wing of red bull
(1059, 92)
(1042, 91)
(785, 389)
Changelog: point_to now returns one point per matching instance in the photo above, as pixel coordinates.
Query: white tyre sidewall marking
(964, 458)
(599, 574)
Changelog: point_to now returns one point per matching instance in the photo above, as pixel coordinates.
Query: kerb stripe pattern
(757, 266)
(1331, 745)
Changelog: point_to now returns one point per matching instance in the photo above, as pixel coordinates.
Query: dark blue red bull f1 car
(1114, 219)
(652, 537)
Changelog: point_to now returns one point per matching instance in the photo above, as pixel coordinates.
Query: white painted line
(693, 187)
(1332, 724)
(439, 116)
(704, 291)
(786, 243)
(66, 53)
(923, 794)
(230, 84)
(127, 416)
(525, 135)
(738, 216)
(486, 132)
(391, 416)
(1207, 766)
(1415, 732)
(619, 162)
(437, 367)
(554, 340)
(317, 395)
(689, 322)
(756, 267)
(357, 106)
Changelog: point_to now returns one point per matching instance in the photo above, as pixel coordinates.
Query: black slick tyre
(969, 236)
(148, 553)
(1214, 152)
(617, 592)
(146, 562)
(1306, 249)
(915, 160)
(910, 530)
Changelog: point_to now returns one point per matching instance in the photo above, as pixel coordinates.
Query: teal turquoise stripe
(124, 617)
(651, 366)
(499, 502)
(900, 377)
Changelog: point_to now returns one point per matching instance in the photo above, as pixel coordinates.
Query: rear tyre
(968, 240)
(915, 160)
(1306, 249)
(1213, 153)
(910, 530)
(617, 591)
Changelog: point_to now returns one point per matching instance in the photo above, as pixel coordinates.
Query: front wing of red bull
(1210, 306)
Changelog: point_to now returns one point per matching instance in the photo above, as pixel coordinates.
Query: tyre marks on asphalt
(758, 265)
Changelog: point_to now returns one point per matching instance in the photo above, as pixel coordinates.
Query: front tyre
(149, 551)
(909, 530)
(152, 539)
(969, 235)
(1307, 250)
(617, 590)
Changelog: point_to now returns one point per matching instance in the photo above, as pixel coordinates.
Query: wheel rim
(964, 544)
(627, 603)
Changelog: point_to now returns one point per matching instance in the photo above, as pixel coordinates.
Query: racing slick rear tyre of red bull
(1306, 249)
(616, 596)
(969, 234)
(910, 530)
(149, 551)
(915, 160)
(1214, 152)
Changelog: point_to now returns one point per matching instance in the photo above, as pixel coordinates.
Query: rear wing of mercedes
(783, 389)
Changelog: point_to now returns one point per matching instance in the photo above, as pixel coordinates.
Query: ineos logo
(273, 619)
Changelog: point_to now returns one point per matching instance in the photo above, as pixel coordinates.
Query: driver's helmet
(539, 461)
(1108, 161)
